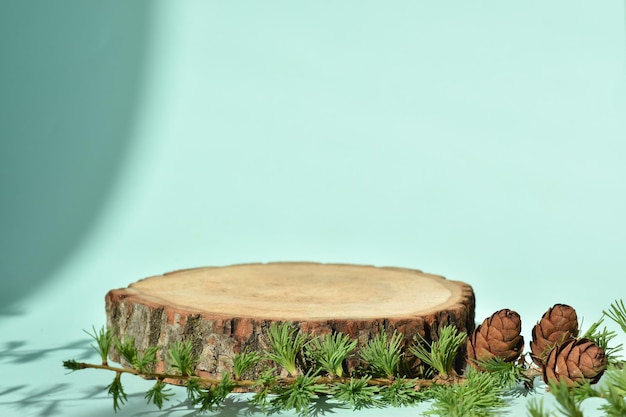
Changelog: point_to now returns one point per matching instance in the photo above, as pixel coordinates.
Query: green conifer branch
(181, 358)
(358, 393)
(440, 355)
(474, 393)
(383, 353)
(104, 341)
(242, 362)
(158, 394)
(116, 390)
(330, 352)
(286, 342)
(617, 313)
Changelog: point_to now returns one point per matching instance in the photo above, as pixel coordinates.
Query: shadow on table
(38, 398)
(53, 400)
(237, 405)
(17, 351)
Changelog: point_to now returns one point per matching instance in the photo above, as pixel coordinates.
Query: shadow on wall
(69, 80)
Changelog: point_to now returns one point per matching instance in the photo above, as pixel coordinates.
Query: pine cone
(498, 335)
(575, 361)
(558, 325)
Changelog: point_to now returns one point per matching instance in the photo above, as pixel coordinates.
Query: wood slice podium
(226, 310)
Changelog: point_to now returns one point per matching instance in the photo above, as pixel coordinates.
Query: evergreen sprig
(474, 393)
(213, 397)
(194, 389)
(116, 390)
(286, 342)
(508, 374)
(158, 394)
(567, 404)
(383, 353)
(358, 393)
(127, 350)
(440, 355)
(242, 362)
(330, 351)
(604, 338)
(614, 391)
(141, 361)
(299, 395)
(104, 341)
(401, 393)
(73, 365)
(536, 408)
(617, 313)
(181, 357)
(265, 385)
(478, 395)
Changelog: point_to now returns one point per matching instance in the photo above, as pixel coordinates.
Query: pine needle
(286, 343)
(440, 355)
(330, 351)
(617, 313)
(383, 354)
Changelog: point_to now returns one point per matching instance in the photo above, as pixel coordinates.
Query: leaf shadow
(15, 351)
(51, 400)
(41, 399)
(238, 405)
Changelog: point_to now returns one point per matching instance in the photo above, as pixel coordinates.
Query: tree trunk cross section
(228, 310)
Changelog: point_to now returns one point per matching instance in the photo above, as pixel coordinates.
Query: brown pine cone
(558, 325)
(498, 335)
(574, 362)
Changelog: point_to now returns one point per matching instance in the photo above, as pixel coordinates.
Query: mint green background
(481, 141)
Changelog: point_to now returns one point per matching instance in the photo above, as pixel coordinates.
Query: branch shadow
(41, 399)
(238, 405)
(15, 351)
(48, 402)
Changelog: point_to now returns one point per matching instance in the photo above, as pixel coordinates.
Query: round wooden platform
(225, 310)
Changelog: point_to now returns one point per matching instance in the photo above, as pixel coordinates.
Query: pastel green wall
(69, 87)
(483, 142)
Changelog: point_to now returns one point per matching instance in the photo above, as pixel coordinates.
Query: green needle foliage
(141, 361)
(116, 390)
(212, 398)
(127, 349)
(242, 362)
(104, 341)
(401, 393)
(567, 403)
(286, 342)
(473, 394)
(382, 354)
(158, 394)
(617, 313)
(535, 408)
(508, 374)
(73, 365)
(614, 392)
(147, 359)
(194, 389)
(441, 353)
(181, 358)
(299, 395)
(265, 384)
(479, 395)
(358, 393)
(330, 351)
(603, 338)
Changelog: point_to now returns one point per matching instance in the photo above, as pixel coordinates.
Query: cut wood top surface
(301, 291)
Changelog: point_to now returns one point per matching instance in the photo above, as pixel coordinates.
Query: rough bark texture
(234, 311)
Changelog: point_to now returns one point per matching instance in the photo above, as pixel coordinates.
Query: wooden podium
(226, 310)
